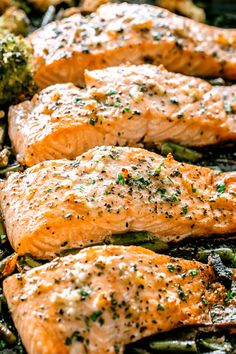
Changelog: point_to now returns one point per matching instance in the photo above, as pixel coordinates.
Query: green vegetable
(2, 302)
(212, 345)
(140, 238)
(226, 254)
(138, 351)
(120, 179)
(221, 187)
(16, 167)
(15, 21)
(2, 133)
(7, 335)
(3, 236)
(174, 346)
(31, 262)
(180, 152)
(16, 78)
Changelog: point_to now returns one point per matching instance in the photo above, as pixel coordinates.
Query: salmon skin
(122, 105)
(61, 204)
(120, 33)
(105, 297)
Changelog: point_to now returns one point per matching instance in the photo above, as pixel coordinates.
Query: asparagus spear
(174, 346)
(180, 152)
(16, 167)
(3, 236)
(7, 335)
(141, 238)
(226, 254)
(212, 345)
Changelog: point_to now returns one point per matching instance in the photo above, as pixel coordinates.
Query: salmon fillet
(125, 105)
(43, 5)
(184, 7)
(61, 204)
(117, 33)
(105, 297)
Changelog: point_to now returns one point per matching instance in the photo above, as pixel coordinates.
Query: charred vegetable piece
(180, 152)
(15, 21)
(223, 273)
(16, 79)
(3, 236)
(7, 335)
(2, 132)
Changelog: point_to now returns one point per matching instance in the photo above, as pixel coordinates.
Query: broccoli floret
(14, 20)
(16, 77)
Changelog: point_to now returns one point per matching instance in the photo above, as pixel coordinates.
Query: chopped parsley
(111, 93)
(221, 188)
(193, 272)
(95, 315)
(157, 36)
(75, 336)
(120, 179)
(160, 307)
(84, 293)
(230, 295)
(181, 294)
(126, 110)
(92, 121)
(171, 268)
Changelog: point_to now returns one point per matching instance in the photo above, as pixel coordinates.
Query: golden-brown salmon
(122, 105)
(184, 7)
(105, 297)
(44, 4)
(61, 204)
(119, 33)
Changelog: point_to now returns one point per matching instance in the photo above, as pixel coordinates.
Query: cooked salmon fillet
(61, 204)
(184, 7)
(44, 4)
(105, 297)
(117, 33)
(122, 105)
